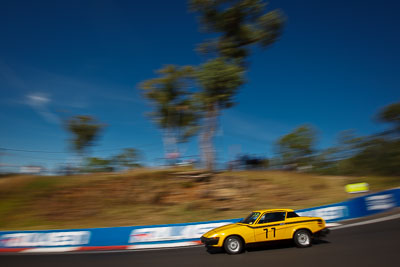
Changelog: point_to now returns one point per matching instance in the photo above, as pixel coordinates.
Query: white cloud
(39, 102)
(38, 99)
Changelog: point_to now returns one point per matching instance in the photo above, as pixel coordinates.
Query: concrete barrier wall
(172, 235)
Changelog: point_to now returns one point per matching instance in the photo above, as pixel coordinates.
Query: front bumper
(209, 241)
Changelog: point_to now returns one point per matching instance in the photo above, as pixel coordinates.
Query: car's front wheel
(302, 238)
(233, 245)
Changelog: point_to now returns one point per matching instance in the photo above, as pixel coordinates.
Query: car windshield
(251, 218)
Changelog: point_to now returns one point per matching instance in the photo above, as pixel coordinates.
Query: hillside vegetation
(145, 197)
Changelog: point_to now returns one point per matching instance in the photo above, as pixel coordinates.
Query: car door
(270, 227)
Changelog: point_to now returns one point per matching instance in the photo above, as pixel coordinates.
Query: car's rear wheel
(233, 245)
(302, 238)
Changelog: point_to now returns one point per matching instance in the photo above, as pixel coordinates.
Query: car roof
(274, 210)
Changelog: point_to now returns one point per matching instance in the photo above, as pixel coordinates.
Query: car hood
(226, 227)
(222, 229)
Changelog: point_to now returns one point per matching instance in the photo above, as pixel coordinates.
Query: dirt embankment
(144, 197)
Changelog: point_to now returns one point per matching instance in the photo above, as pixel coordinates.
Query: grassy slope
(144, 197)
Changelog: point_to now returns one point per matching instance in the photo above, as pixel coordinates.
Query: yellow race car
(266, 225)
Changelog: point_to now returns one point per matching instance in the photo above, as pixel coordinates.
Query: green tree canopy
(297, 146)
(174, 110)
(377, 154)
(128, 158)
(391, 114)
(94, 164)
(219, 82)
(173, 107)
(239, 24)
(85, 130)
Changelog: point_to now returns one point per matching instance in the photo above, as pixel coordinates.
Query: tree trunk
(170, 146)
(207, 138)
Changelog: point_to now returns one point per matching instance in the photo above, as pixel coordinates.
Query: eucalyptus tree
(236, 26)
(219, 82)
(173, 108)
(85, 130)
(128, 158)
(296, 148)
(391, 114)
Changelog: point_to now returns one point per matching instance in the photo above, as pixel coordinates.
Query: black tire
(302, 238)
(233, 245)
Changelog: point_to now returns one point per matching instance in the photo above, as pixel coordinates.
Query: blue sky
(335, 66)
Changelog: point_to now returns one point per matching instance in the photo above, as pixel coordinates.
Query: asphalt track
(376, 244)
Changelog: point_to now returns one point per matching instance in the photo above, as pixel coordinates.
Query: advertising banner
(356, 207)
(124, 237)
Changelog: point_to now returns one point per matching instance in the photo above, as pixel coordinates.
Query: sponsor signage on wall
(357, 188)
(169, 233)
(46, 239)
(327, 213)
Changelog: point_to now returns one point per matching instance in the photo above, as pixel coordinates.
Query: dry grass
(144, 196)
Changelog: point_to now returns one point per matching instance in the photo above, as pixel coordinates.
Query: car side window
(272, 217)
(291, 215)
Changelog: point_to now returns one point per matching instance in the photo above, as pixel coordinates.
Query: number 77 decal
(266, 232)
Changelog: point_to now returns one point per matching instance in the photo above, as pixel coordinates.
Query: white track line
(387, 218)
(329, 225)
(166, 245)
(48, 250)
